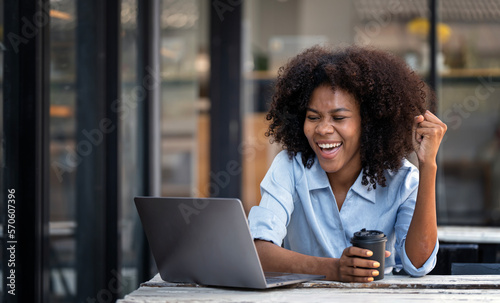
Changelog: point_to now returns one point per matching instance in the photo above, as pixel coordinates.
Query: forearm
(278, 259)
(422, 233)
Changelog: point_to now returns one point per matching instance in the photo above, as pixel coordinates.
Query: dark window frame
(226, 120)
(26, 152)
(98, 253)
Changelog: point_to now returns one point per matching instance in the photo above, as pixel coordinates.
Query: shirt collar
(364, 191)
(317, 178)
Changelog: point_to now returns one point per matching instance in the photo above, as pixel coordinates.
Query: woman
(347, 120)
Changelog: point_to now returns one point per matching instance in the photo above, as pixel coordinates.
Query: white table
(390, 289)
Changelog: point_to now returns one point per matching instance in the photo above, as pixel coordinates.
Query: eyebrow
(333, 111)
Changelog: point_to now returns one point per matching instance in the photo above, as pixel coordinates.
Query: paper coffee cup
(373, 240)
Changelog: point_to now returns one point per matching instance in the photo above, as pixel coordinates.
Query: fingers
(432, 118)
(430, 129)
(428, 119)
(362, 275)
(430, 126)
(353, 251)
(352, 268)
(418, 120)
(359, 270)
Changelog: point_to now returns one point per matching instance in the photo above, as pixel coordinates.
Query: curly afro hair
(388, 92)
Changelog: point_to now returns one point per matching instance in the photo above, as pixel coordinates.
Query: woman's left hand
(428, 132)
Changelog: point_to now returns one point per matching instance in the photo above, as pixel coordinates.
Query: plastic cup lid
(368, 235)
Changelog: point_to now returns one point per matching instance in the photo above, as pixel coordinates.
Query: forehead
(325, 97)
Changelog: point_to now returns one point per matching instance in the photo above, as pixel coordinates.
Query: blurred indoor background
(466, 61)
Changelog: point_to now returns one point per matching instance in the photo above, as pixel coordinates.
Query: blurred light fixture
(421, 27)
(60, 111)
(60, 15)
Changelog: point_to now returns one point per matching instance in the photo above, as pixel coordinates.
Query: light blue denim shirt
(298, 211)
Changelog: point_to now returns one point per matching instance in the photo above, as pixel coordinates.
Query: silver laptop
(206, 241)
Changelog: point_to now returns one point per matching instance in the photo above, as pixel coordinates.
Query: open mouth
(329, 145)
(329, 148)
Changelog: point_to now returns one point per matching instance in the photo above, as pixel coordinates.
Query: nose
(325, 128)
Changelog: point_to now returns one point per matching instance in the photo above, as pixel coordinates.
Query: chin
(329, 168)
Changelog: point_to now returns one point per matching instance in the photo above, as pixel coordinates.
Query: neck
(343, 180)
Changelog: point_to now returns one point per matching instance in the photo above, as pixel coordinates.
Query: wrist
(330, 268)
(335, 270)
(427, 165)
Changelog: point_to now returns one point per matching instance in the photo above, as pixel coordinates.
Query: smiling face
(333, 129)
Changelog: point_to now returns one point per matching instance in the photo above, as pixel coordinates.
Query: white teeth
(324, 145)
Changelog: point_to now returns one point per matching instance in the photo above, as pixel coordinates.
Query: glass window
(468, 62)
(63, 155)
(183, 62)
(130, 176)
(469, 95)
(276, 30)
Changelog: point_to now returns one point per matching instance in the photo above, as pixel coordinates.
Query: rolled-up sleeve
(424, 269)
(265, 225)
(269, 220)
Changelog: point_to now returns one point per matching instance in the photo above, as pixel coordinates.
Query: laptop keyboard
(274, 277)
(276, 274)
